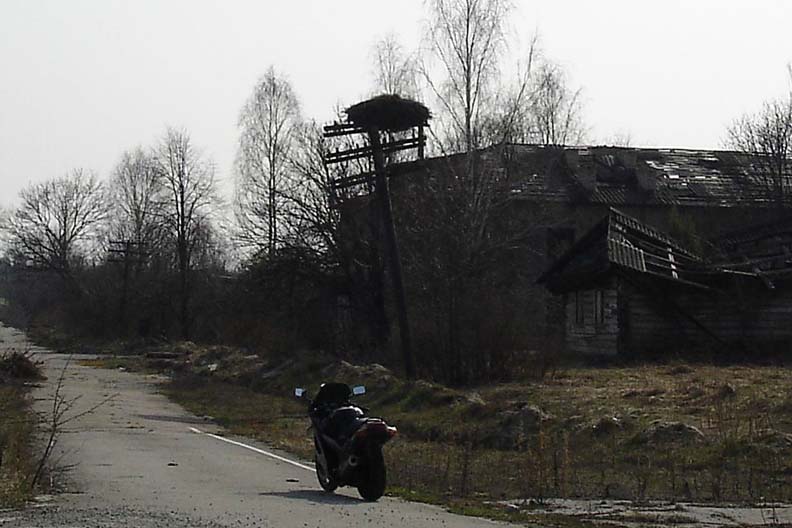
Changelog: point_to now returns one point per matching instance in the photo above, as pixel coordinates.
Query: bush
(19, 365)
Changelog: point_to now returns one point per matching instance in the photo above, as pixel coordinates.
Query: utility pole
(386, 209)
(386, 113)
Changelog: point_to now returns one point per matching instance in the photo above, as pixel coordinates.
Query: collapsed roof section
(621, 243)
(763, 251)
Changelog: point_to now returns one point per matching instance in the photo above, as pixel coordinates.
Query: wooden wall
(590, 338)
(650, 325)
(753, 316)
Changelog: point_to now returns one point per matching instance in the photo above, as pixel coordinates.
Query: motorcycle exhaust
(349, 464)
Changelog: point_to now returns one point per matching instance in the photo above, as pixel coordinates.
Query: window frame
(598, 307)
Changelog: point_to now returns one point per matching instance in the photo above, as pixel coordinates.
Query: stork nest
(388, 112)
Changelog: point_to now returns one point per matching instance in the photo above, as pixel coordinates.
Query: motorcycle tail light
(376, 428)
(361, 433)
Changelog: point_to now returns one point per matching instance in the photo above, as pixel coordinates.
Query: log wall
(757, 316)
(591, 337)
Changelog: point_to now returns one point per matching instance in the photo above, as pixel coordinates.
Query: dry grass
(279, 421)
(716, 399)
(17, 465)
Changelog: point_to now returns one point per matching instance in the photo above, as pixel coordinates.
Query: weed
(19, 365)
(16, 441)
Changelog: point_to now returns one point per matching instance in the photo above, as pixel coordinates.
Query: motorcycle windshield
(333, 393)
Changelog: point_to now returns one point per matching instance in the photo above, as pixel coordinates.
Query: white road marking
(254, 449)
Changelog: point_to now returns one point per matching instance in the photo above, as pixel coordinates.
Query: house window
(580, 318)
(599, 307)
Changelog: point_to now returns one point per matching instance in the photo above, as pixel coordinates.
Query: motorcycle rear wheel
(372, 479)
(327, 482)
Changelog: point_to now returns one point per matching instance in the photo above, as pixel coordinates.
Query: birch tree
(268, 124)
(465, 41)
(395, 70)
(555, 109)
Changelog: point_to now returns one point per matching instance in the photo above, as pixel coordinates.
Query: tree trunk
(184, 292)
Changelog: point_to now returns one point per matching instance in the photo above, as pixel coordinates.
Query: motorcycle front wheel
(371, 483)
(325, 480)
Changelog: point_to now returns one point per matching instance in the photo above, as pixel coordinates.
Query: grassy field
(687, 432)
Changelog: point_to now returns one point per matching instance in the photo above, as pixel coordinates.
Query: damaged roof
(763, 251)
(636, 176)
(621, 242)
(615, 176)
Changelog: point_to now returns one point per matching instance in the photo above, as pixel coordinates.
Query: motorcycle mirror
(360, 389)
(299, 392)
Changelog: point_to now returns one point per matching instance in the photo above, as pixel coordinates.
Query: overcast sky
(83, 80)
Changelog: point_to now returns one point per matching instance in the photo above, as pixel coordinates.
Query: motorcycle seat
(344, 422)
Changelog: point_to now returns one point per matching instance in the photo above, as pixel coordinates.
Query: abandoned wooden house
(550, 195)
(628, 288)
(546, 197)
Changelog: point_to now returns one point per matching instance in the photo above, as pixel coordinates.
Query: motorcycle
(348, 444)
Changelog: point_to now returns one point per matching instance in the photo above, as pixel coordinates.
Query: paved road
(137, 461)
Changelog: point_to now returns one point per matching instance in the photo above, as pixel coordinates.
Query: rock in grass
(389, 112)
(606, 426)
(661, 433)
(514, 425)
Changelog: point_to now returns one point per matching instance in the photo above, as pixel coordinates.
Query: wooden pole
(421, 141)
(125, 288)
(383, 196)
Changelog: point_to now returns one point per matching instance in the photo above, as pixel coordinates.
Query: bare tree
(509, 119)
(461, 246)
(137, 194)
(312, 213)
(555, 109)
(188, 179)
(395, 71)
(466, 38)
(57, 219)
(765, 138)
(268, 123)
(136, 234)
